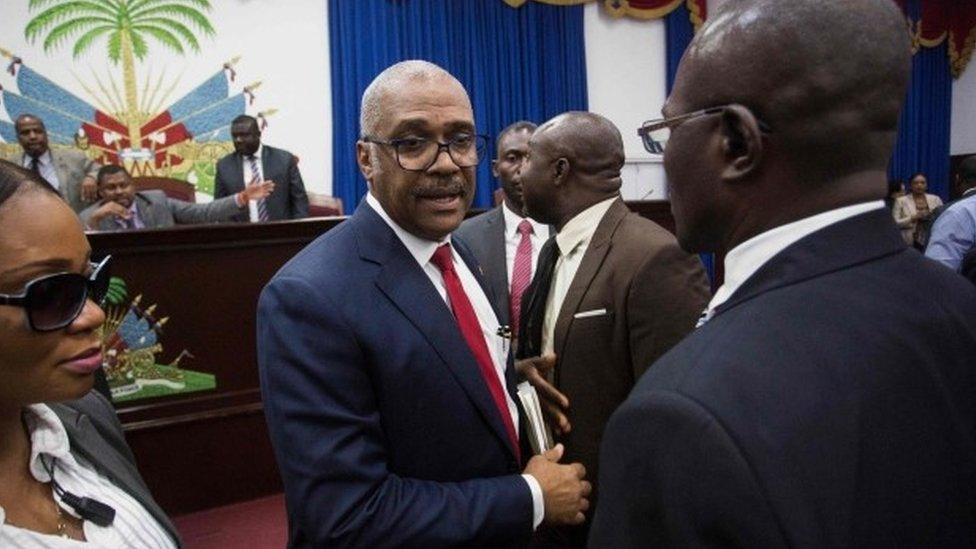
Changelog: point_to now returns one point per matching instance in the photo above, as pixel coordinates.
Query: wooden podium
(203, 449)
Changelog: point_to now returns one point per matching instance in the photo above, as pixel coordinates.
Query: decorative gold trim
(560, 2)
(697, 17)
(623, 9)
(640, 13)
(932, 43)
(958, 61)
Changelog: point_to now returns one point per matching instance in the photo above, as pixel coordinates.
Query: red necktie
(471, 330)
(521, 274)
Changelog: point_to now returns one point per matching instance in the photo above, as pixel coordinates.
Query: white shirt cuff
(538, 504)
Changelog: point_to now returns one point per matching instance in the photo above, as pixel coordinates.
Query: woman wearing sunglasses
(67, 477)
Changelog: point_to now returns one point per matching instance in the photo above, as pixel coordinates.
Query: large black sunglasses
(56, 300)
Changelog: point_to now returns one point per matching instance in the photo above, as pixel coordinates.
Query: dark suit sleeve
(671, 476)
(296, 190)
(220, 183)
(667, 296)
(325, 422)
(188, 213)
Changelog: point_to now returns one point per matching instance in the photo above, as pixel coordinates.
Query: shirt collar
(48, 438)
(257, 153)
(513, 219)
(44, 160)
(745, 259)
(579, 230)
(420, 248)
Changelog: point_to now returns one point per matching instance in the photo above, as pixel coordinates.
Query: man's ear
(560, 170)
(494, 168)
(742, 143)
(364, 159)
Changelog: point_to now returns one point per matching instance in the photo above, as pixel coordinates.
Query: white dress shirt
(422, 251)
(572, 240)
(252, 205)
(133, 525)
(540, 233)
(745, 259)
(45, 164)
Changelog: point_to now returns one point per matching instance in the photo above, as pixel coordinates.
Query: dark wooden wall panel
(210, 448)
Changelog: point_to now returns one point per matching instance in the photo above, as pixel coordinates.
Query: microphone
(87, 508)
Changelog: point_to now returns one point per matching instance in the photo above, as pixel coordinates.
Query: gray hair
(391, 78)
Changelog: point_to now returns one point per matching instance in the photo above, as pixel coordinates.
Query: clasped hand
(564, 492)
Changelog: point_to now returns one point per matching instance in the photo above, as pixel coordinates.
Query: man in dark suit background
(827, 400)
(67, 170)
(504, 240)
(613, 293)
(388, 392)
(253, 161)
(123, 208)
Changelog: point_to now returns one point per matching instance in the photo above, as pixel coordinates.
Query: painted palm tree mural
(129, 122)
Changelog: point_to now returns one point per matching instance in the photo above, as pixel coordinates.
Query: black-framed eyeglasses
(56, 300)
(418, 154)
(656, 133)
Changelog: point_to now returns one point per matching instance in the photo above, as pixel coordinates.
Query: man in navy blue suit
(388, 390)
(827, 400)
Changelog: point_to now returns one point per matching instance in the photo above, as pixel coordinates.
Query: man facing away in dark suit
(67, 170)
(504, 241)
(388, 391)
(121, 208)
(254, 162)
(827, 398)
(613, 293)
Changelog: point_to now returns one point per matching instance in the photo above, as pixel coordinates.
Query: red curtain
(941, 20)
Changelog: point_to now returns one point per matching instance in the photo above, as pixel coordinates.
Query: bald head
(828, 76)
(574, 162)
(590, 142)
(397, 77)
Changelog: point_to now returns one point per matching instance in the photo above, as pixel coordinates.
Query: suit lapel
(403, 281)
(147, 211)
(236, 175)
(593, 258)
(479, 275)
(109, 463)
(856, 240)
(497, 270)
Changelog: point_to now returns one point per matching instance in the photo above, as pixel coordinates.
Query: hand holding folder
(542, 401)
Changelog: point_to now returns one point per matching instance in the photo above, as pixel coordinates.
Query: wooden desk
(209, 448)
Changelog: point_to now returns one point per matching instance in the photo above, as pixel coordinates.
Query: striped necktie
(521, 274)
(256, 178)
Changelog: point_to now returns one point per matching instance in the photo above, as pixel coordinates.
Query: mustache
(453, 188)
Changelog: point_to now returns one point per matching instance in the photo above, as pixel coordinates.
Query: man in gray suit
(496, 236)
(251, 161)
(122, 208)
(67, 170)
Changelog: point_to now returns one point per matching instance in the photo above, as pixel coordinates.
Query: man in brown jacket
(612, 292)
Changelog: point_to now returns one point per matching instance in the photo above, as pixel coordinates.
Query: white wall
(626, 81)
(963, 133)
(282, 44)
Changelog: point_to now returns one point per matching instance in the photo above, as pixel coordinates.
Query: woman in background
(912, 212)
(52, 455)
